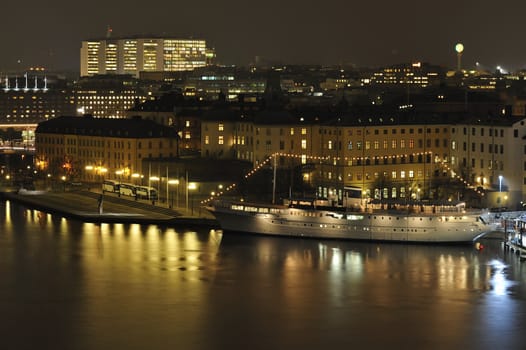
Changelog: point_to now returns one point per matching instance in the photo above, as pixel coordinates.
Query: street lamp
(155, 179)
(63, 178)
(136, 176)
(174, 182)
(459, 48)
(191, 186)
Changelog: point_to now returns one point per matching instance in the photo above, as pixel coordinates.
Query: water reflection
(146, 286)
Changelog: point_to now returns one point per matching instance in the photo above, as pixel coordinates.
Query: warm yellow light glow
(173, 182)
(192, 186)
(459, 48)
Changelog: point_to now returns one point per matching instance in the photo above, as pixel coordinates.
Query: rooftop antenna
(108, 32)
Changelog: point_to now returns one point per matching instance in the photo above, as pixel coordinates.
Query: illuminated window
(402, 174)
(402, 143)
(303, 131)
(367, 144)
(187, 123)
(220, 140)
(303, 144)
(411, 143)
(329, 145)
(376, 144)
(221, 127)
(411, 174)
(393, 174)
(292, 131)
(393, 144)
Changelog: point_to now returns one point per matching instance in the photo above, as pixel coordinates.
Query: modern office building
(132, 55)
(108, 96)
(30, 99)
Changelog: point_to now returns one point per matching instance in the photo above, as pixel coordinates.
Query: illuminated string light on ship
(260, 166)
(461, 179)
(290, 155)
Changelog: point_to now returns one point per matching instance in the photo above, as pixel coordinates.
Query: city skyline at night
(358, 33)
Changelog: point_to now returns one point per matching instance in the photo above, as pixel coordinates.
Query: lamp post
(155, 179)
(136, 176)
(174, 182)
(63, 178)
(500, 190)
(459, 48)
(190, 186)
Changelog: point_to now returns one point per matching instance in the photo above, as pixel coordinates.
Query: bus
(127, 189)
(110, 186)
(145, 192)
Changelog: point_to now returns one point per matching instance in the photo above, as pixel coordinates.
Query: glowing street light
(174, 182)
(459, 48)
(191, 186)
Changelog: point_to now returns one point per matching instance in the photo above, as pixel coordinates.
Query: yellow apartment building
(91, 149)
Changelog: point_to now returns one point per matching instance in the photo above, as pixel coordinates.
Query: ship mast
(274, 179)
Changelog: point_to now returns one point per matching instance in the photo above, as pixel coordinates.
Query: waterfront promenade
(84, 204)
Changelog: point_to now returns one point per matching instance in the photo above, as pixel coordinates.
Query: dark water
(70, 285)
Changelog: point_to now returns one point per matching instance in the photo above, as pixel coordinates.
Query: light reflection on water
(144, 286)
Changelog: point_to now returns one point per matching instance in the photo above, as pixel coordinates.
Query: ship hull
(451, 228)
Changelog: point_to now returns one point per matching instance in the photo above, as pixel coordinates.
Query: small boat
(413, 222)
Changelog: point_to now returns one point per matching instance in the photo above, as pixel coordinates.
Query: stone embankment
(96, 207)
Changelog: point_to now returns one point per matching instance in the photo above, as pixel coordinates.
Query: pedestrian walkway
(94, 206)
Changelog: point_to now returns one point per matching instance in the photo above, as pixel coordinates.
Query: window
(221, 127)
(303, 144)
(207, 140)
(220, 140)
(303, 131)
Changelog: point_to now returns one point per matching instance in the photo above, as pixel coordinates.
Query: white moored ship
(401, 223)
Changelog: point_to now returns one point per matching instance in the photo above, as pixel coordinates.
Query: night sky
(365, 33)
